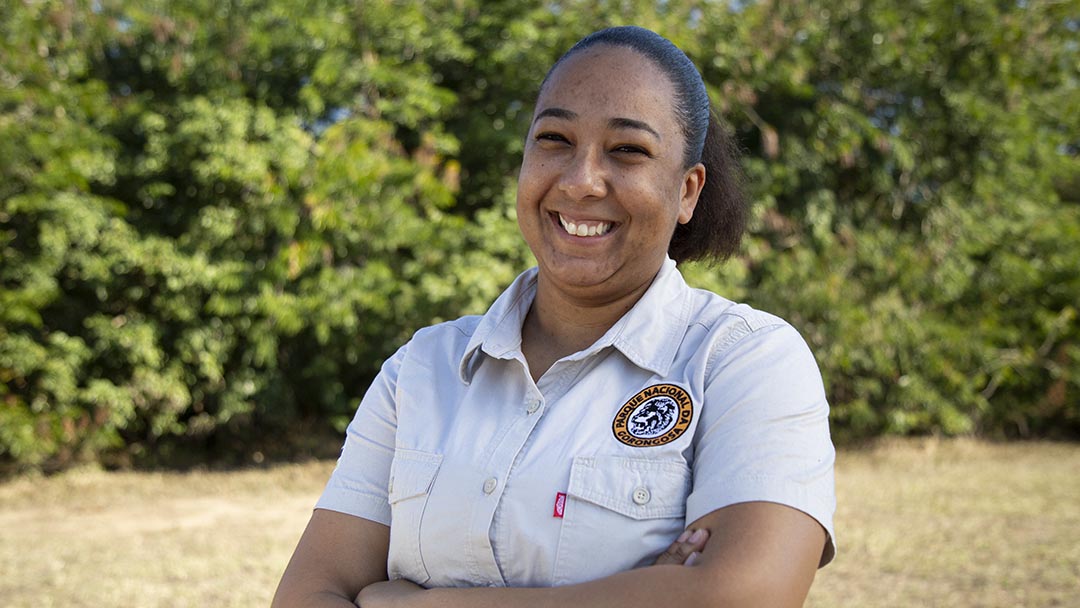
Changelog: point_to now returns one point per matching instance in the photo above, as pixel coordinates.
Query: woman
(548, 452)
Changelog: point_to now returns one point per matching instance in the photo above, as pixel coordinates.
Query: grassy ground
(920, 523)
(956, 523)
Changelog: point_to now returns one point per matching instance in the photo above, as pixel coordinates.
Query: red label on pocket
(560, 504)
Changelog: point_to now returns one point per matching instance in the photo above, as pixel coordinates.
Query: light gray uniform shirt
(688, 404)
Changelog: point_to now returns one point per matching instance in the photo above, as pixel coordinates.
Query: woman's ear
(693, 182)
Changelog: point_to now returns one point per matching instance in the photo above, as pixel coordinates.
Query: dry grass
(920, 523)
(956, 523)
(89, 538)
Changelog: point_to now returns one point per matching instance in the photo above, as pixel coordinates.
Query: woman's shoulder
(732, 329)
(447, 332)
(718, 314)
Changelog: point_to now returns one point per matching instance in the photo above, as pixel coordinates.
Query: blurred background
(218, 217)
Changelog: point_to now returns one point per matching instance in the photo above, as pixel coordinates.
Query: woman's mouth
(584, 228)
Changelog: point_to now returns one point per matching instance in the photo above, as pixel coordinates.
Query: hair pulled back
(719, 219)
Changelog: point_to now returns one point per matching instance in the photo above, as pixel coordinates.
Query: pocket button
(641, 496)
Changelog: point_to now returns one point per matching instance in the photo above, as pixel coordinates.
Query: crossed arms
(757, 554)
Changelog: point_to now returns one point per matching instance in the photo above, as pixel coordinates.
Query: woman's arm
(758, 554)
(340, 553)
(337, 556)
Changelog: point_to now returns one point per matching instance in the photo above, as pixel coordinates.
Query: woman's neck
(560, 324)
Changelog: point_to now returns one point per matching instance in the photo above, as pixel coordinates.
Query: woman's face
(602, 182)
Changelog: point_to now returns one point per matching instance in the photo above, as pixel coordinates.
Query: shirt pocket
(620, 514)
(412, 474)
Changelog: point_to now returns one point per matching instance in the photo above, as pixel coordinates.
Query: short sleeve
(764, 430)
(358, 485)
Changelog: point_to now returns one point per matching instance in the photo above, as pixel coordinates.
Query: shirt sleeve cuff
(343, 500)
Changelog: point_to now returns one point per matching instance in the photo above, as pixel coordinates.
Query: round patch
(657, 415)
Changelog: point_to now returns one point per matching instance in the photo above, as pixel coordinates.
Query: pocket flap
(635, 487)
(411, 474)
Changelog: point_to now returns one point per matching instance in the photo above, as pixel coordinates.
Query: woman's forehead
(609, 80)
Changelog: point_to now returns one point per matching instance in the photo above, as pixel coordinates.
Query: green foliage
(217, 219)
(908, 219)
(208, 231)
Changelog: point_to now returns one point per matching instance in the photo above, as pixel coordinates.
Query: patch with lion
(655, 416)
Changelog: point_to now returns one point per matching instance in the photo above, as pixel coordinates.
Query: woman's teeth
(583, 229)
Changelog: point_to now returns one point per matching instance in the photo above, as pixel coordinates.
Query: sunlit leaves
(217, 218)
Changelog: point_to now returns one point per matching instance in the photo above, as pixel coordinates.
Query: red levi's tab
(560, 504)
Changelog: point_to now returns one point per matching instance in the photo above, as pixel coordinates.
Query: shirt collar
(648, 335)
(499, 332)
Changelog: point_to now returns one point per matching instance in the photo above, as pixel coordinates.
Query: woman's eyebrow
(614, 123)
(630, 123)
(556, 113)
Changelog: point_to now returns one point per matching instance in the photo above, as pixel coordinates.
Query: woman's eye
(548, 136)
(631, 149)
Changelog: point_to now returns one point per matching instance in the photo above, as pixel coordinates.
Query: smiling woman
(599, 155)
(604, 435)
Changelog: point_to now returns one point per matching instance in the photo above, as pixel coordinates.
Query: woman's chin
(578, 273)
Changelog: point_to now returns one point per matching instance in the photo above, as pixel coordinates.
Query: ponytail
(716, 228)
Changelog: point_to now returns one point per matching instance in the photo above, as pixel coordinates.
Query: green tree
(218, 218)
(908, 217)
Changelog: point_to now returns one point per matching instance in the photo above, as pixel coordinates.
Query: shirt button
(641, 496)
(533, 406)
(489, 485)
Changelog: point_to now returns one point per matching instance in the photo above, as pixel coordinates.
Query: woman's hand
(685, 550)
(389, 594)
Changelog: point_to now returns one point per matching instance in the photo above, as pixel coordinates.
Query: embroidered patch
(657, 415)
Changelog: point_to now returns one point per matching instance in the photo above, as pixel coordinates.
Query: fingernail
(682, 537)
(698, 535)
(692, 559)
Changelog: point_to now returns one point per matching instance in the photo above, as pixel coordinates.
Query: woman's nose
(585, 176)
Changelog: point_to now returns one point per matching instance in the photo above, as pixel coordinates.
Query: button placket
(498, 466)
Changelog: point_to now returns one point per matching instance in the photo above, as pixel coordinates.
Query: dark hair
(719, 219)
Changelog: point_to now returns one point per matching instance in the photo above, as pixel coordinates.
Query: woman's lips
(584, 227)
